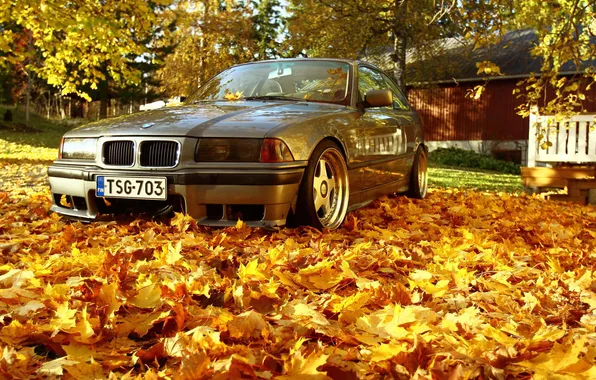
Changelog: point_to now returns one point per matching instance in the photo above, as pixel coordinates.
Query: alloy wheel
(330, 188)
(422, 173)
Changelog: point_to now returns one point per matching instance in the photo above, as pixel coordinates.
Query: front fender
(302, 138)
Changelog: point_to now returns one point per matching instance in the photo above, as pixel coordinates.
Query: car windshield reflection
(314, 81)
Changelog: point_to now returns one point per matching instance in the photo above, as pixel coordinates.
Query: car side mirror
(378, 98)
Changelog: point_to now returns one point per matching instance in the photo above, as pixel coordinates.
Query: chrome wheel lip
(422, 173)
(330, 188)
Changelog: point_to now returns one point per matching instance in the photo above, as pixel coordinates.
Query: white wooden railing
(571, 140)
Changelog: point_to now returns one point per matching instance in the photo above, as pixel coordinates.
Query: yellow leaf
(306, 368)
(249, 324)
(140, 323)
(55, 367)
(83, 328)
(78, 351)
(352, 303)
(91, 370)
(233, 96)
(205, 337)
(305, 314)
(386, 351)
(172, 253)
(561, 357)
(29, 307)
(148, 297)
(16, 277)
(107, 295)
(251, 272)
(64, 318)
(530, 301)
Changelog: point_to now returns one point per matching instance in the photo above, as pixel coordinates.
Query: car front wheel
(324, 191)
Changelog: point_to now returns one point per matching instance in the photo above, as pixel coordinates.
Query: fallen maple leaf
(247, 325)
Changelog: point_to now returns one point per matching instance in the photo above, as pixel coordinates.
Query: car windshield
(315, 81)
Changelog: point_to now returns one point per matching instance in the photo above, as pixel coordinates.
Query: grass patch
(454, 157)
(15, 152)
(49, 131)
(445, 177)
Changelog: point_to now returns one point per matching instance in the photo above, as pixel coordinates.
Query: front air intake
(159, 154)
(118, 153)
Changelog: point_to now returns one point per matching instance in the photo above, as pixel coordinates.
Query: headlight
(228, 150)
(74, 148)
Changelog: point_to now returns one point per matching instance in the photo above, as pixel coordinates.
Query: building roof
(453, 60)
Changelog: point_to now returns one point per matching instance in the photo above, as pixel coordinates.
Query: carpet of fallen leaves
(461, 285)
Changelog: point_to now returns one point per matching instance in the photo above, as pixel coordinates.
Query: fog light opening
(247, 213)
(65, 201)
(79, 203)
(214, 212)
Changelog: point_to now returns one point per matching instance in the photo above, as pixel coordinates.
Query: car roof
(350, 61)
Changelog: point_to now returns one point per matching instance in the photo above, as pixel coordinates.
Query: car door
(381, 139)
(407, 117)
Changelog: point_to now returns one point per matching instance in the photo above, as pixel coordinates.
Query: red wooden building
(437, 88)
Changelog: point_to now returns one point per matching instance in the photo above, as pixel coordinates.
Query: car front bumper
(212, 195)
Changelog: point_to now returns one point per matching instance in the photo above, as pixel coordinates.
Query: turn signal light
(274, 150)
(61, 148)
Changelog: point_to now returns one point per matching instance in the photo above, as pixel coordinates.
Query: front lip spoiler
(268, 179)
(239, 177)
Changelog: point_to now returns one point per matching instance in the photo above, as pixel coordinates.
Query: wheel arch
(333, 139)
(424, 147)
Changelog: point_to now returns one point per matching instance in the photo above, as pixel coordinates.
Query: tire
(419, 175)
(324, 194)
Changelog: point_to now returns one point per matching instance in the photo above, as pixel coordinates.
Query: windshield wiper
(202, 101)
(271, 97)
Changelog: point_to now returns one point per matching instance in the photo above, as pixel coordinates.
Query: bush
(472, 160)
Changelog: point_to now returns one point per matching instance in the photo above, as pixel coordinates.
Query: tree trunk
(103, 100)
(61, 107)
(201, 77)
(400, 43)
(28, 105)
(201, 61)
(399, 63)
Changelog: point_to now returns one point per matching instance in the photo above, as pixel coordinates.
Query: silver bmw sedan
(297, 141)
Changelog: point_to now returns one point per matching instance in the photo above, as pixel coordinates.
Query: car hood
(248, 119)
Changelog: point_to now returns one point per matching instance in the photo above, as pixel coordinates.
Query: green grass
(454, 157)
(49, 135)
(446, 177)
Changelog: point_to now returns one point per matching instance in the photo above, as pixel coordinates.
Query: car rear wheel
(324, 191)
(419, 176)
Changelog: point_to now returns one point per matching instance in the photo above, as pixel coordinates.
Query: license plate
(132, 187)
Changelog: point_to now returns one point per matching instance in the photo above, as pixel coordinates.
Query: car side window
(400, 101)
(369, 79)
